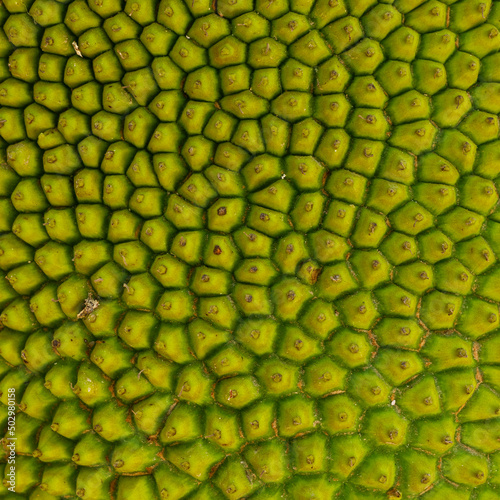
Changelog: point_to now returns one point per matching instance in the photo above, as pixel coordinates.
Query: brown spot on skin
(394, 494)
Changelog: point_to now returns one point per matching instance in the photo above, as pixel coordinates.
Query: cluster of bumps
(250, 248)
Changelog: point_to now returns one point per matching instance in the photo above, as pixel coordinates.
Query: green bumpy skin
(250, 248)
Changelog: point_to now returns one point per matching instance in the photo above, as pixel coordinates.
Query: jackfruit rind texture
(250, 248)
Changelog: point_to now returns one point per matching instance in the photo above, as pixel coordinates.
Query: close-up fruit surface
(249, 249)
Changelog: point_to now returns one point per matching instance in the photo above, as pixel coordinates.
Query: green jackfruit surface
(250, 249)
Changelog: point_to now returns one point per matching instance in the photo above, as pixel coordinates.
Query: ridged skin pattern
(250, 249)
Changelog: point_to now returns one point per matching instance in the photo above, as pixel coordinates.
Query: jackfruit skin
(250, 249)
